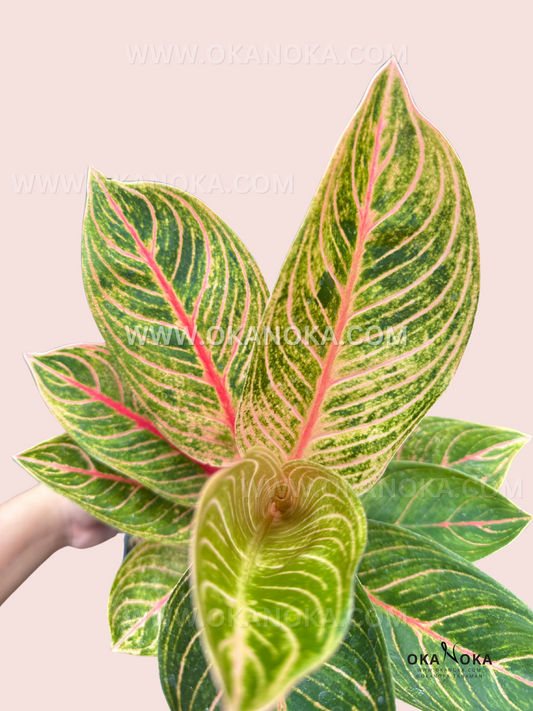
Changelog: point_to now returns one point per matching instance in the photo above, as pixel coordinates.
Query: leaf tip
(93, 173)
(95, 178)
(393, 62)
(391, 66)
(30, 358)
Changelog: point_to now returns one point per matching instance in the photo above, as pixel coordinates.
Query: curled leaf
(274, 554)
(358, 676)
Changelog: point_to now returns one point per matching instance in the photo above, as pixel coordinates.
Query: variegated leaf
(83, 389)
(176, 297)
(357, 676)
(112, 497)
(432, 601)
(479, 450)
(141, 588)
(274, 548)
(454, 509)
(389, 246)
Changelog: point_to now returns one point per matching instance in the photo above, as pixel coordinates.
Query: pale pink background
(71, 98)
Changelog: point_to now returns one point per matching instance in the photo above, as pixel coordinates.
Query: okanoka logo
(460, 656)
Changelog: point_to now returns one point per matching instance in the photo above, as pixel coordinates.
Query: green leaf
(456, 510)
(274, 549)
(389, 246)
(175, 295)
(112, 497)
(357, 676)
(430, 599)
(479, 450)
(183, 670)
(84, 391)
(141, 588)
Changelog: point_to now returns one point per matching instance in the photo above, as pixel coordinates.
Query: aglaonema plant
(303, 537)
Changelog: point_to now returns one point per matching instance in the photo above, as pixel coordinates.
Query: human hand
(36, 524)
(81, 530)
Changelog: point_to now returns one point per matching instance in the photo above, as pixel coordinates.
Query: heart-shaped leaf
(454, 509)
(381, 285)
(141, 588)
(176, 297)
(112, 497)
(274, 552)
(83, 389)
(357, 676)
(479, 450)
(434, 605)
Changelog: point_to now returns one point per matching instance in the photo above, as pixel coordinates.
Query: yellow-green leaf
(358, 676)
(274, 554)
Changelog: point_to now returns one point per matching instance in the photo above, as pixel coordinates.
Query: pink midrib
(212, 376)
(325, 379)
(478, 456)
(93, 473)
(475, 524)
(423, 628)
(156, 608)
(140, 421)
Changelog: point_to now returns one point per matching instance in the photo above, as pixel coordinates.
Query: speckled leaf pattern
(112, 497)
(357, 676)
(274, 551)
(431, 600)
(84, 391)
(175, 295)
(479, 450)
(389, 246)
(458, 511)
(141, 588)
